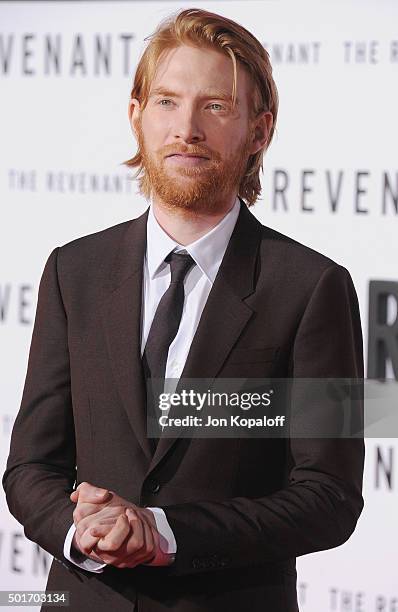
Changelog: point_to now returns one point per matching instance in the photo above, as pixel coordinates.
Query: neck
(186, 226)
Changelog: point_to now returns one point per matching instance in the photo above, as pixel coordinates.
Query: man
(195, 287)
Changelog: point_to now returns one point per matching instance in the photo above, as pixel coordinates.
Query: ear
(134, 112)
(262, 127)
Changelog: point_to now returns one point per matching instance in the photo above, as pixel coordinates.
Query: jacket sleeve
(320, 505)
(40, 471)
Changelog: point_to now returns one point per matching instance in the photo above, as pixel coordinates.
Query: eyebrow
(213, 93)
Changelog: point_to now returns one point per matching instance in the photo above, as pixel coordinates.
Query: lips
(186, 155)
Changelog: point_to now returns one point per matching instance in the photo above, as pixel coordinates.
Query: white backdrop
(330, 181)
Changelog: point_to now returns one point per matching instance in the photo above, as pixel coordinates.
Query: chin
(194, 205)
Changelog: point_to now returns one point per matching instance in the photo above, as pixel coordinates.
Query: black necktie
(165, 325)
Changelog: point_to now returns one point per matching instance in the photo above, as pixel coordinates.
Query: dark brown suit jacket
(241, 509)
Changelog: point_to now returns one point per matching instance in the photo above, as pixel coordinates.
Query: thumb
(86, 492)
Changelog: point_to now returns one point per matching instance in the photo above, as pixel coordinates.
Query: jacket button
(154, 487)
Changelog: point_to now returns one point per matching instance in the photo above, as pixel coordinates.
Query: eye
(163, 100)
(221, 107)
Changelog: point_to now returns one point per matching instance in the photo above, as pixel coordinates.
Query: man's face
(189, 111)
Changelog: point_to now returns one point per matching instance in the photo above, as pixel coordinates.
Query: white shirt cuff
(167, 541)
(87, 564)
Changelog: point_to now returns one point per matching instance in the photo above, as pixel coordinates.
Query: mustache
(185, 150)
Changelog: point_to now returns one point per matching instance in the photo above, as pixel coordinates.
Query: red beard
(200, 189)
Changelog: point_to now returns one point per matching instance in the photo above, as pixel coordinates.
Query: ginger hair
(202, 28)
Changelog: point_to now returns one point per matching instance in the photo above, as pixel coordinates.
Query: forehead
(195, 70)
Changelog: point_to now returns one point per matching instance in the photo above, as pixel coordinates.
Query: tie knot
(180, 263)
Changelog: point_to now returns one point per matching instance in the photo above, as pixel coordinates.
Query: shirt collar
(207, 251)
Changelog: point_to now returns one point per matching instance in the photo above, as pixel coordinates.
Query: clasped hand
(112, 530)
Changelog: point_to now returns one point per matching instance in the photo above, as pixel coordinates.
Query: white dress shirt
(207, 252)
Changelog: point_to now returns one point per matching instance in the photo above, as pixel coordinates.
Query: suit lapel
(122, 324)
(225, 313)
(223, 319)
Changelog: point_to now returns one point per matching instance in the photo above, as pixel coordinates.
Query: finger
(94, 533)
(147, 554)
(114, 539)
(89, 493)
(151, 523)
(117, 557)
(87, 542)
(149, 517)
(148, 550)
(91, 554)
(107, 521)
(109, 512)
(101, 530)
(84, 509)
(136, 540)
(120, 559)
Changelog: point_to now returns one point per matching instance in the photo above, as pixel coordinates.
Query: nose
(187, 126)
